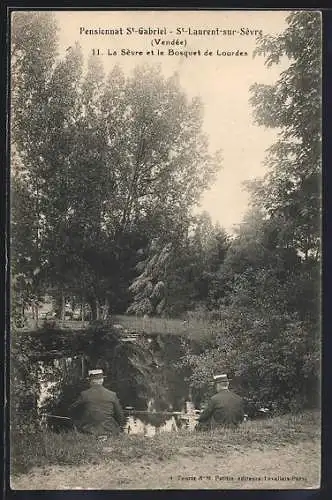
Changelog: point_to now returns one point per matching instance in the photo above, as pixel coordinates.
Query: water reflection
(180, 420)
(149, 422)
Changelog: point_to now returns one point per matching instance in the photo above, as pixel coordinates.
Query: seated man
(224, 408)
(98, 410)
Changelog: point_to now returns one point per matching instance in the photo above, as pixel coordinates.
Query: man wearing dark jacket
(98, 410)
(224, 408)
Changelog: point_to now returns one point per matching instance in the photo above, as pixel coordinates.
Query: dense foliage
(24, 378)
(102, 165)
(270, 314)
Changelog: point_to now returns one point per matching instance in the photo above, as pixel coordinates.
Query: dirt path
(285, 467)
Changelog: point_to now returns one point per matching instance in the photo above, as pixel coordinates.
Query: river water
(50, 388)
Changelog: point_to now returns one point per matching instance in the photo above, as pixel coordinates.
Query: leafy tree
(149, 287)
(33, 54)
(178, 276)
(79, 165)
(161, 156)
(161, 159)
(59, 155)
(290, 191)
(209, 245)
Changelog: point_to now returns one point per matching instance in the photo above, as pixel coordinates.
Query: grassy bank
(194, 329)
(44, 449)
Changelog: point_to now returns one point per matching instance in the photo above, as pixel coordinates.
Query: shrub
(24, 388)
(271, 357)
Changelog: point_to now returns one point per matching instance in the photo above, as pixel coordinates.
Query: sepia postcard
(165, 214)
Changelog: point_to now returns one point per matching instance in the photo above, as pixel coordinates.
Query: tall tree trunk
(82, 310)
(82, 366)
(106, 308)
(97, 309)
(92, 304)
(36, 309)
(62, 306)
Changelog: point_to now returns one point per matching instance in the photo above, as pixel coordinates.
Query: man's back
(225, 408)
(98, 410)
(228, 407)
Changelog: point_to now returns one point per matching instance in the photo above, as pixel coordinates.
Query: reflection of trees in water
(137, 372)
(151, 425)
(60, 384)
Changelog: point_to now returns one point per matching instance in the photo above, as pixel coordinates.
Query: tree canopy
(106, 163)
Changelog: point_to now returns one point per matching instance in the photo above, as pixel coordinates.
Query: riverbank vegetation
(45, 448)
